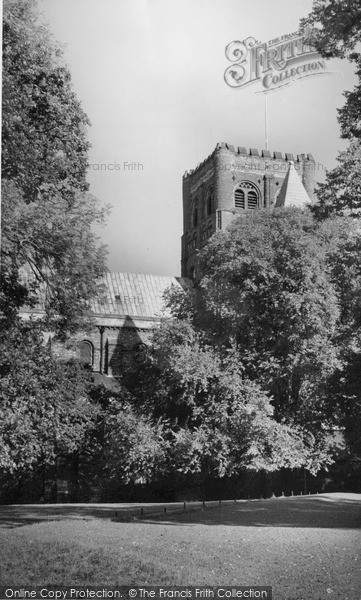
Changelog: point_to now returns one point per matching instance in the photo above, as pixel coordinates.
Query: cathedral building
(231, 181)
(123, 318)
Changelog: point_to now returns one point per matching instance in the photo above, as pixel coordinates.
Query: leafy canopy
(282, 291)
(336, 26)
(337, 33)
(48, 217)
(217, 421)
(45, 411)
(44, 127)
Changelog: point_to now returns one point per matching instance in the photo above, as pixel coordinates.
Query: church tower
(233, 180)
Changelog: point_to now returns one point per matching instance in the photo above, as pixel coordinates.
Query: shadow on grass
(18, 515)
(322, 511)
(314, 512)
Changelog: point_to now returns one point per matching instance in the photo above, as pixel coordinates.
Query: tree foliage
(264, 285)
(135, 447)
(47, 215)
(50, 255)
(349, 115)
(45, 411)
(337, 33)
(44, 127)
(217, 421)
(281, 290)
(59, 253)
(336, 26)
(340, 194)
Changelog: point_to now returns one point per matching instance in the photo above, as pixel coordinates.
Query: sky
(150, 76)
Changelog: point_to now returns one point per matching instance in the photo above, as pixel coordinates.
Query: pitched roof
(135, 294)
(292, 192)
(130, 297)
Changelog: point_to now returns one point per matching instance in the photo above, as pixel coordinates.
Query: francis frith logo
(275, 63)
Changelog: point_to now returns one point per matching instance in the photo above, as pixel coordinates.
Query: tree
(58, 252)
(50, 256)
(51, 412)
(341, 192)
(336, 33)
(45, 411)
(44, 127)
(47, 214)
(336, 26)
(135, 447)
(350, 114)
(265, 285)
(343, 386)
(217, 421)
(282, 290)
(341, 238)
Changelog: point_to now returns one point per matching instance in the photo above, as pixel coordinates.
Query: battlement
(251, 152)
(232, 181)
(200, 165)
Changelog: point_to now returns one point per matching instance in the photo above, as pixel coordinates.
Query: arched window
(210, 201)
(252, 199)
(246, 196)
(192, 273)
(203, 212)
(239, 198)
(86, 353)
(195, 213)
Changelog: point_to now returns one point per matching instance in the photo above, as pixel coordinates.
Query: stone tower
(227, 183)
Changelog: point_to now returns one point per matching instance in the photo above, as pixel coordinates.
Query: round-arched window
(86, 353)
(246, 196)
(195, 215)
(210, 201)
(203, 208)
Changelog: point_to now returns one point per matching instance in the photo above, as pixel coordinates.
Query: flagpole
(266, 119)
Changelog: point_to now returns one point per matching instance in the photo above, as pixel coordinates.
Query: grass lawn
(306, 547)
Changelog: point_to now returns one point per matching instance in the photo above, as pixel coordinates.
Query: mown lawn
(306, 548)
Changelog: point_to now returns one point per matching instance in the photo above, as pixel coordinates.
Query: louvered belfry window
(251, 199)
(239, 198)
(246, 196)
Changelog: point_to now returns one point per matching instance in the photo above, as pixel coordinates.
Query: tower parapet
(231, 180)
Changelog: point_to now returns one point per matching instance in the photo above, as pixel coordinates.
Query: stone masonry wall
(222, 171)
(112, 348)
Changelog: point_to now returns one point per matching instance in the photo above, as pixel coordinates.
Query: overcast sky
(149, 74)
